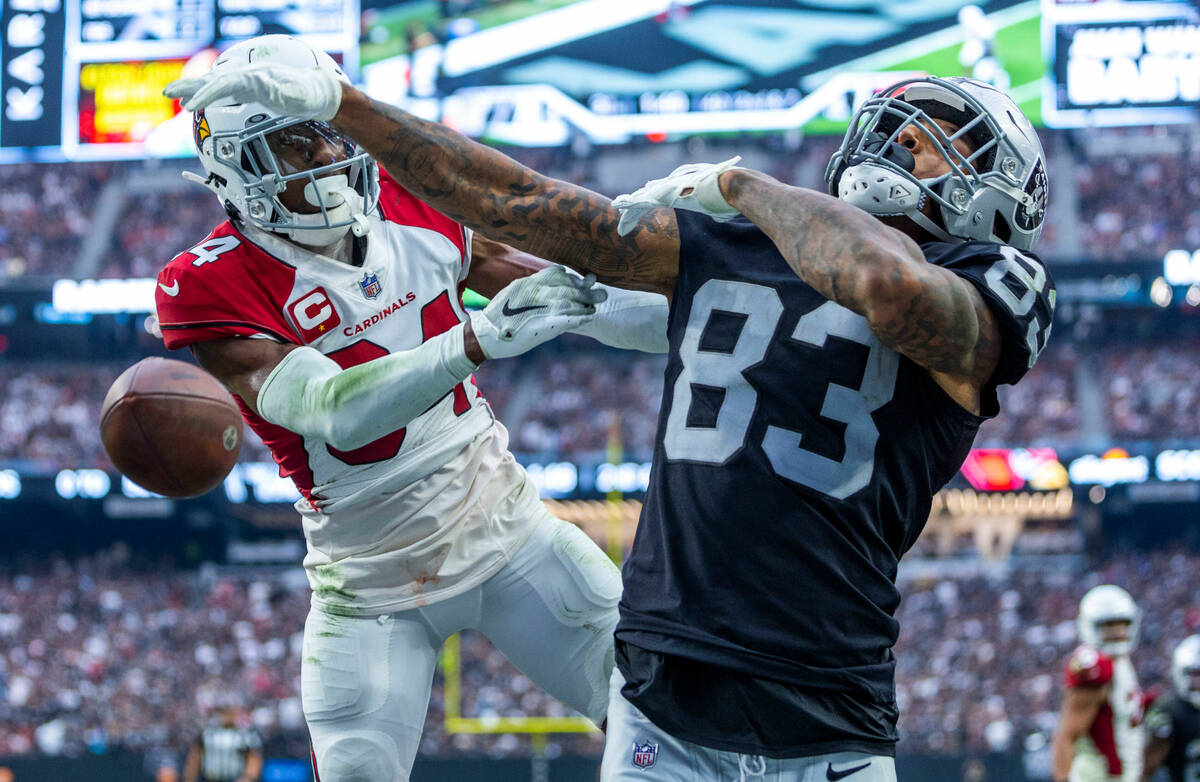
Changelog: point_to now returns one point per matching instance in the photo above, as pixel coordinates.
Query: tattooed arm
(926, 312)
(504, 200)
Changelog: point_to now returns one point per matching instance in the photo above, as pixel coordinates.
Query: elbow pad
(308, 393)
(632, 320)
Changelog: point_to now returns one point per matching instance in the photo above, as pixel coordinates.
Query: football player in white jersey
(329, 303)
(1099, 736)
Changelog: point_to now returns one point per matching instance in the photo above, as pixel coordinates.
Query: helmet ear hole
(1000, 228)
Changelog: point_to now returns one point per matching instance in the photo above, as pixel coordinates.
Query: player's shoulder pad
(223, 286)
(399, 206)
(1018, 289)
(1088, 667)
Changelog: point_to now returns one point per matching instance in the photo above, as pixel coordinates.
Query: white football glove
(533, 310)
(693, 187)
(304, 93)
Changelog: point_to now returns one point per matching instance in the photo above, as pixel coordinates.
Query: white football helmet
(997, 193)
(1108, 603)
(1185, 670)
(246, 173)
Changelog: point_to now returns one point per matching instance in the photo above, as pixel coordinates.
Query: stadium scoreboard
(1120, 62)
(83, 78)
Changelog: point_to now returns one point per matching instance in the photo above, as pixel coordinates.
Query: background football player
(1099, 735)
(827, 374)
(1173, 722)
(329, 303)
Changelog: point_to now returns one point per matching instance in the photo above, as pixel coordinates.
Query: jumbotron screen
(84, 78)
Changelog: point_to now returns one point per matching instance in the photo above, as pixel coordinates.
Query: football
(171, 427)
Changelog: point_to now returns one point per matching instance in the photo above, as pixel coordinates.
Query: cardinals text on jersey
(401, 518)
(1112, 749)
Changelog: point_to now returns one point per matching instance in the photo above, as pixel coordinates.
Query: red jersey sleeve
(403, 208)
(1087, 667)
(223, 287)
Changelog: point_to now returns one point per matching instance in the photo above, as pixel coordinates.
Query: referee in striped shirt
(225, 753)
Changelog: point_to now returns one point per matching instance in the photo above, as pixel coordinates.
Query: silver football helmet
(995, 193)
(1185, 670)
(1107, 603)
(238, 142)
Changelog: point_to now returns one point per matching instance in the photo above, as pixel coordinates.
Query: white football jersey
(425, 512)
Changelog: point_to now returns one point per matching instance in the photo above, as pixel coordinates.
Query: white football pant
(637, 750)
(365, 681)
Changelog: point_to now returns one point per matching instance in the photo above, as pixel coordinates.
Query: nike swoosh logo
(833, 775)
(173, 290)
(510, 311)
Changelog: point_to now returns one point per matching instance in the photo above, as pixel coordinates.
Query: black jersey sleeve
(1018, 289)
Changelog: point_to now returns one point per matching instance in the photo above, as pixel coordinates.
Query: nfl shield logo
(644, 755)
(370, 286)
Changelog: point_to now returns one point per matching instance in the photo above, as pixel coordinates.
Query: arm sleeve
(632, 320)
(1017, 289)
(1088, 668)
(308, 393)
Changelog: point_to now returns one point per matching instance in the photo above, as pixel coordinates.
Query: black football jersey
(796, 460)
(1177, 721)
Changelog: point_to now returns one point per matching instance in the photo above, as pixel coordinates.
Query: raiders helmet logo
(1030, 215)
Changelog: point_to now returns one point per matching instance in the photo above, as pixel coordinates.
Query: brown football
(171, 427)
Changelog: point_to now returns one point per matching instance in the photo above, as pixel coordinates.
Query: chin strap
(205, 182)
(918, 217)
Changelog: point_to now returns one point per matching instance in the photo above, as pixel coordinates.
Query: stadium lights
(1182, 267)
(10, 485)
(1161, 292)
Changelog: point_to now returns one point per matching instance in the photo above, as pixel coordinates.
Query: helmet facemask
(340, 193)
(982, 192)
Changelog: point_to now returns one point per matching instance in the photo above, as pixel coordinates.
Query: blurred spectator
(155, 227)
(1138, 207)
(106, 651)
(1151, 392)
(45, 212)
(577, 401)
(1042, 408)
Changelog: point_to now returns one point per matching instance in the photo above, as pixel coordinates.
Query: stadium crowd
(573, 401)
(1133, 207)
(576, 401)
(1129, 206)
(110, 650)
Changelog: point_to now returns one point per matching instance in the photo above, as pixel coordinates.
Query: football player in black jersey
(1173, 722)
(831, 359)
